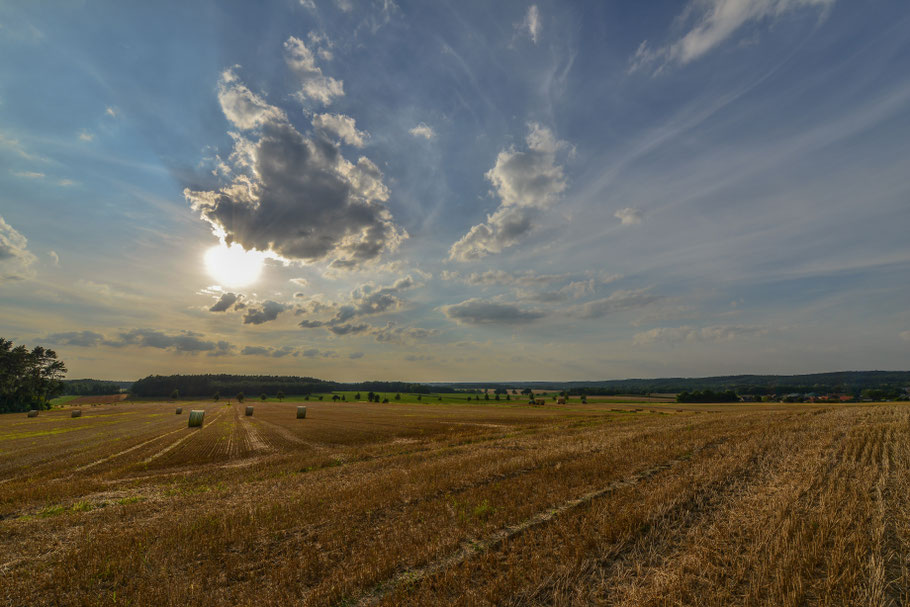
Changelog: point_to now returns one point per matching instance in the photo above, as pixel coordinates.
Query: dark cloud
(310, 324)
(297, 196)
(355, 355)
(348, 329)
(255, 351)
(84, 339)
(267, 313)
(184, 341)
(481, 312)
(394, 334)
(224, 303)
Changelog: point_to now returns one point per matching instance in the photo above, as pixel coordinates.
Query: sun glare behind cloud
(233, 266)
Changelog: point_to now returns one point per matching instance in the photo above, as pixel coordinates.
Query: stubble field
(429, 504)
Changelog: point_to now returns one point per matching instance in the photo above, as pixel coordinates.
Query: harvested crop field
(409, 504)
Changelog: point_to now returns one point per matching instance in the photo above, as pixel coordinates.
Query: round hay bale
(179, 410)
(301, 412)
(249, 411)
(33, 413)
(196, 416)
(77, 413)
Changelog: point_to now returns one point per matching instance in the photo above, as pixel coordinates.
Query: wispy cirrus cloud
(709, 23)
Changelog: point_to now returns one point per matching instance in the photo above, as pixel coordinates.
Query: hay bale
(196, 416)
(249, 411)
(179, 410)
(33, 413)
(301, 412)
(77, 413)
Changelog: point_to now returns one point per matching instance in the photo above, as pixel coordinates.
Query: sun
(233, 266)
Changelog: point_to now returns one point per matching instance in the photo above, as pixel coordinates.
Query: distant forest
(853, 383)
(842, 382)
(229, 385)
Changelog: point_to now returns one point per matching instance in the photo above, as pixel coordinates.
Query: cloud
(526, 182)
(15, 258)
(531, 23)
(717, 333)
(310, 324)
(300, 282)
(109, 111)
(422, 130)
(85, 339)
(187, 342)
(244, 108)
(615, 302)
(481, 312)
(314, 84)
(268, 351)
(708, 23)
(628, 216)
(267, 313)
(574, 290)
(340, 127)
(54, 257)
(348, 328)
(224, 302)
(355, 355)
(295, 196)
(29, 174)
(314, 353)
(395, 334)
(86, 136)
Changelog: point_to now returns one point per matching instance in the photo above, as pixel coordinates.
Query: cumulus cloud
(295, 196)
(526, 181)
(482, 312)
(423, 130)
(267, 312)
(531, 23)
(355, 355)
(187, 342)
(708, 23)
(716, 333)
(55, 258)
(340, 128)
(300, 282)
(86, 136)
(310, 324)
(615, 302)
(15, 258)
(267, 351)
(224, 302)
(628, 216)
(314, 84)
(392, 333)
(85, 339)
(348, 328)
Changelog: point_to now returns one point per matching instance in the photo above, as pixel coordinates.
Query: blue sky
(457, 191)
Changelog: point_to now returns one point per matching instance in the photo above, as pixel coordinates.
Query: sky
(445, 191)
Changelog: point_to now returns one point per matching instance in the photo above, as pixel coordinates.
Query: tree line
(209, 384)
(28, 378)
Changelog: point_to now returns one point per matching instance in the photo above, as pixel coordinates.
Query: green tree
(216, 397)
(398, 397)
(263, 396)
(28, 379)
(240, 397)
(175, 394)
(357, 396)
(280, 395)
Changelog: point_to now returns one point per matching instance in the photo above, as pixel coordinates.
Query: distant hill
(841, 382)
(253, 385)
(845, 382)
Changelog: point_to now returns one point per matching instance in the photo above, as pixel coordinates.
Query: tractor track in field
(125, 451)
(470, 549)
(180, 440)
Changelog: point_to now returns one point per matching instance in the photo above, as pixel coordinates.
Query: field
(456, 504)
